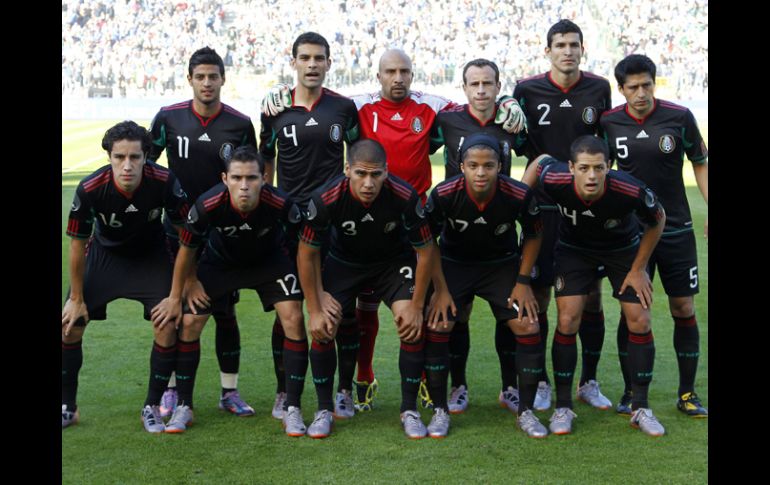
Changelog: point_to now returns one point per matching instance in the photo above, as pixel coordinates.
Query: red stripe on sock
(418, 347)
(559, 337)
(74, 346)
(644, 338)
(163, 350)
(189, 346)
(294, 345)
(323, 347)
(438, 337)
(528, 339)
(685, 322)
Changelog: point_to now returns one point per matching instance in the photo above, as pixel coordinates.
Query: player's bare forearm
(269, 170)
(77, 268)
(529, 252)
(650, 239)
(530, 174)
(701, 172)
(183, 266)
(437, 273)
(422, 275)
(309, 268)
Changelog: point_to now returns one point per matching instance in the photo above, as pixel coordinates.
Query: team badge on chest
(667, 143)
(335, 133)
(226, 151)
(417, 125)
(589, 115)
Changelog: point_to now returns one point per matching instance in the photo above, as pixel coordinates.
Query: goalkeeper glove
(510, 115)
(277, 99)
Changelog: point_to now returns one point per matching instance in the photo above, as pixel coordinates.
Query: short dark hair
(589, 144)
(563, 26)
(481, 63)
(367, 150)
(310, 38)
(480, 141)
(634, 64)
(246, 153)
(127, 130)
(208, 56)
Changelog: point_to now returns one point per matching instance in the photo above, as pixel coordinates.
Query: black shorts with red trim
(491, 281)
(576, 270)
(388, 281)
(676, 259)
(144, 277)
(276, 280)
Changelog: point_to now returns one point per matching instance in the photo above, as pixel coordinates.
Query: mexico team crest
(390, 226)
(417, 125)
(335, 133)
(589, 115)
(226, 151)
(611, 223)
(506, 149)
(667, 144)
(559, 283)
(502, 228)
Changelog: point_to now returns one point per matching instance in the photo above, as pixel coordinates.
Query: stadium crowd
(133, 47)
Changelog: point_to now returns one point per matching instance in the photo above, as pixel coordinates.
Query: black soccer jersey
(453, 126)
(608, 223)
(126, 222)
(652, 149)
(364, 234)
(196, 149)
(557, 116)
(310, 143)
(241, 238)
(481, 233)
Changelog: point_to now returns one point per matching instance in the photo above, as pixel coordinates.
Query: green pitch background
(484, 445)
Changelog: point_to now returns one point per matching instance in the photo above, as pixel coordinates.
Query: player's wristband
(523, 279)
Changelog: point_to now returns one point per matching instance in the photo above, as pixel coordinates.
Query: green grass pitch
(109, 445)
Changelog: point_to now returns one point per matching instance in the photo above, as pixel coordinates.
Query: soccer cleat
(529, 423)
(458, 400)
(413, 425)
(591, 394)
(343, 405)
(322, 424)
(151, 419)
(365, 393)
(439, 424)
(180, 420)
(68, 417)
(646, 421)
(689, 403)
(280, 400)
(292, 422)
(624, 406)
(232, 403)
(509, 399)
(168, 402)
(561, 421)
(425, 401)
(542, 396)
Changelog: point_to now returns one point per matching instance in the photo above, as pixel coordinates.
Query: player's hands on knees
(510, 115)
(322, 328)
(524, 298)
(639, 280)
(71, 313)
(439, 307)
(169, 310)
(277, 99)
(195, 296)
(331, 307)
(409, 323)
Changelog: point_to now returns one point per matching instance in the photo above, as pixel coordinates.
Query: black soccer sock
(71, 361)
(437, 367)
(542, 320)
(687, 347)
(459, 348)
(323, 364)
(162, 363)
(641, 358)
(592, 339)
(187, 359)
(348, 343)
(227, 343)
(625, 370)
(411, 358)
(278, 364)
(564, 355)
(530, 361)
(505, 344)
(296, 359)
